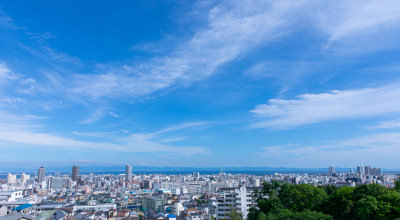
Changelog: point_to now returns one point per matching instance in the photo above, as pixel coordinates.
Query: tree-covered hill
(278, 200)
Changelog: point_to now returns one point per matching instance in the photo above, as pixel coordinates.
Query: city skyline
(200, 84)
(129, 171)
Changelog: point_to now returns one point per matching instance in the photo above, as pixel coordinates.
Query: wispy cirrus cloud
(182, 126)
(386, 124)
(360, 26)
(113, 114)
(26, 130)
(132, 144)
(95, 116)
(6, 74)
(98, 114)
(232, 29)
(160, 134)
(6, 21)
(375, 149)
(323, 107)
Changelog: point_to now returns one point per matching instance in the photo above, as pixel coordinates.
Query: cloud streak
(323, 107)
(380, 149)
(6, 74)
(231, 30)
(359, 25)
(25, 130)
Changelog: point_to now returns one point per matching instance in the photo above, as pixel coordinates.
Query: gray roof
(59, 214)
(17, 216)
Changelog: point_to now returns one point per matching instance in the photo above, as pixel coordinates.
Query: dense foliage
(278, 200)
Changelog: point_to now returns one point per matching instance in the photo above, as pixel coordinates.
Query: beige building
(25, 177)
(11, 179)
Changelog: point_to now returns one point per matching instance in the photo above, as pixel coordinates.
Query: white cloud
(6, 21)
(134, 144)
(6, 74)
(112, 114)
(359, 25)
(158, 134)
(166, 140)
(376, 149)
(95, 116)
(232, 29)
(12, 100)
(182, 126)
(386, 125)
(24, 129)
(335, 105)
(94, 134)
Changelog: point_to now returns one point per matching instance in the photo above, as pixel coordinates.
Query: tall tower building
(75, 173)
(41, 175)
(360, 170)
(332, 170)
(128, 172)
(367, 170)
(91, 177)
(196, 175)
(24, 178)
(11, 179)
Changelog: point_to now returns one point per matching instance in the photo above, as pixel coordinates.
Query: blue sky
(207, 83)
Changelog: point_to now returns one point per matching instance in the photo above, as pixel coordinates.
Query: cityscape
(199, 110)
(156, 196)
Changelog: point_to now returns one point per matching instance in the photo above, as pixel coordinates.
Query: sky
(200, 83)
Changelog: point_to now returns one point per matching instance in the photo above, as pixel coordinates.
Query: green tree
(374, 190)
(261, 216)
(329, 189)
(397, 185)
(340, 203)
(253, 213)
(366, 207)
(388, 205)
(278, 200)
(302, 196)
(286, 214)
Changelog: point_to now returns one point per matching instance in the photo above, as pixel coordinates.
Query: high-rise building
(24, 178)
(196, 175)
(41, 175)
(146, 184)
(75, 173)
(128, 172)
(332, 170)
(11, 179)
(376, 172)
(58, 183)
(91, 177)
(360, 170)
(367, 170)
(154, 203)
(239, 199)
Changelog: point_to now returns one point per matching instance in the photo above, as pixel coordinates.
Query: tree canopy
(282, 201)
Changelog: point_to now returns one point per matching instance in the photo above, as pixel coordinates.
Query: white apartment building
(11, 179)
(234, 198)
(10, 196)
(25, 178)
(194, 189)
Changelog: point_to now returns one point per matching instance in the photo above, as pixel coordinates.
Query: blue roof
(23, 206)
